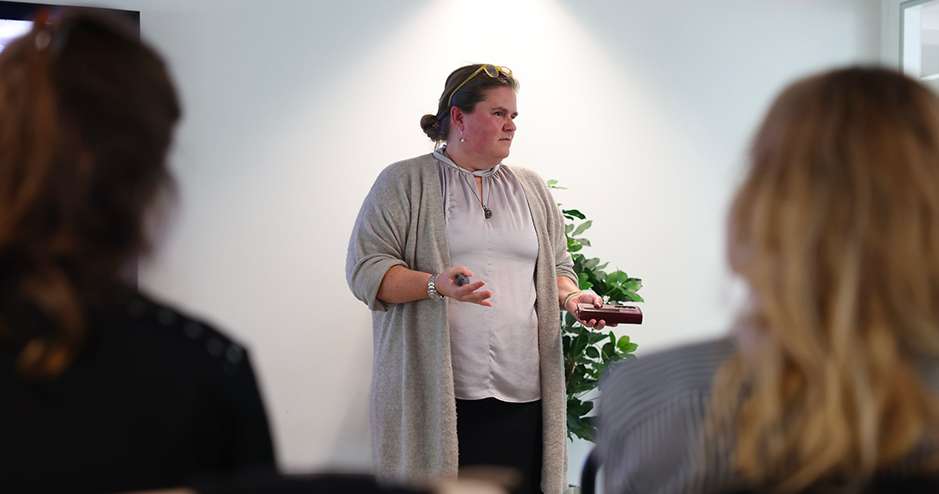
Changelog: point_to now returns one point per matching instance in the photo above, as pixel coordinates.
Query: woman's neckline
(442, 153)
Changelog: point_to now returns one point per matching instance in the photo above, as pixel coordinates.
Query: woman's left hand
(586, 298)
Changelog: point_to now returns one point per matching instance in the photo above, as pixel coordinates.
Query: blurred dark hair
(437, 127)
(86, 118)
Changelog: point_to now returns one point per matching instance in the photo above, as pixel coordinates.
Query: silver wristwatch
(432, 289)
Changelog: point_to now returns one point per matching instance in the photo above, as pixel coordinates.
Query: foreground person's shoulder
(164, 324)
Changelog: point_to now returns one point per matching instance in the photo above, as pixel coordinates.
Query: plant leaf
(579, 344)
(634, 297)
(569, 319)
(588, 353)
(633, 284)
(582, 227)
(583, 282)
(596, 337)
(575, 213)
(617, 277)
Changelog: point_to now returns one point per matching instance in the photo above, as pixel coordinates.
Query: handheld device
(612, 314)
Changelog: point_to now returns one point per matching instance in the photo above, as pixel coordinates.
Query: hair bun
(431, 126)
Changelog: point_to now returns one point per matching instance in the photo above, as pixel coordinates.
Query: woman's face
(489, 130)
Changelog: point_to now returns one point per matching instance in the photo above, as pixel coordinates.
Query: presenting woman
(464, 263)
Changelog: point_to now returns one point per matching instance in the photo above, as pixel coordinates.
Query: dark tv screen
(16, 18)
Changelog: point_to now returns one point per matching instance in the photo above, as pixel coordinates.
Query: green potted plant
(587, 351)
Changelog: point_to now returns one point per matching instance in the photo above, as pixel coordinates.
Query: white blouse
(494, 349)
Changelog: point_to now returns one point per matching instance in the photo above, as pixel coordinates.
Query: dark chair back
(588, 474)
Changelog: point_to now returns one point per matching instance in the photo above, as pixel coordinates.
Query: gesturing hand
(586, 298)
(446, 285)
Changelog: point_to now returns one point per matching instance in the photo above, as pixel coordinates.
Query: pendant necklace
(486, 211)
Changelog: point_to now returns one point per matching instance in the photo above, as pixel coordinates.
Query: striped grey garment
(650, 415)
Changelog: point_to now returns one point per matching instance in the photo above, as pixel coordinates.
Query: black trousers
(493, 432)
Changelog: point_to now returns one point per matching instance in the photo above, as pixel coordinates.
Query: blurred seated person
(828, 382)
(105, 389)
(896, 484)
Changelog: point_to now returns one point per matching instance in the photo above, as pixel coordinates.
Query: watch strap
(432, 292)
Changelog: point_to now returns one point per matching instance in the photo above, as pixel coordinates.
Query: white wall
(641, 108)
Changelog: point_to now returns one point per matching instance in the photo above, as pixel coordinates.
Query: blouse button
(193, 330)
(166, 317)
(234, 354)
(215, 347)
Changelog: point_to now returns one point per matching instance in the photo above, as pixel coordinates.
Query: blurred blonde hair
(836, 231)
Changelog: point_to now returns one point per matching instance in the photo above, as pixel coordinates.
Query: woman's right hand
(446, 285)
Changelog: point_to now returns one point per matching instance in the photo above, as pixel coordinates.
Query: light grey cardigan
(413, 409)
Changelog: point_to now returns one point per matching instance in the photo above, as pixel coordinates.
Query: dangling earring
(461, 136)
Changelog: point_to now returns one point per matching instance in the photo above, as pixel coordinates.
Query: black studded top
(154, 399)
